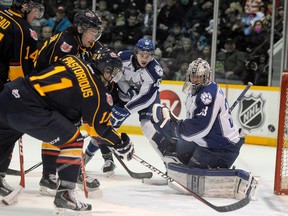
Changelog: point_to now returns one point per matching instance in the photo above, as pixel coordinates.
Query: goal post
(281, 167)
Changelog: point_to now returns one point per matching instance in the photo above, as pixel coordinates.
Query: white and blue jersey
(209, 121)
(139, 87)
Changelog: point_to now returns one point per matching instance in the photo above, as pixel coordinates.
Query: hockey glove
(118, 116)
(125, 149)
(164, 121)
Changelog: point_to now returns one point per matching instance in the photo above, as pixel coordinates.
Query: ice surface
(123, 195)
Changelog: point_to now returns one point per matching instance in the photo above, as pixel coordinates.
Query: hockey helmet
(144, 45)
(18, 4)
(198, 75)
(105, 59)
(88, 19)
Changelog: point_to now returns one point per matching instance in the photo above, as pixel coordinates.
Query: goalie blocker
(214, 183)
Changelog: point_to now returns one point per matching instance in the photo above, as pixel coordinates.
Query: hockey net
(281, 169)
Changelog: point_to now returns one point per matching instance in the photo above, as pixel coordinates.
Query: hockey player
(46, 106)
(138, 89)
(18, 51)
(81, 40)
(203, 142)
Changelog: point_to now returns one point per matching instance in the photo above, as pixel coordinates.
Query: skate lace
(74, 196)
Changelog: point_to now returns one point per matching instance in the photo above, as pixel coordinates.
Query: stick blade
(13, 196)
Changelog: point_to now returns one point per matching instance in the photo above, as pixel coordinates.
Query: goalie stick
(144, 175)
(225, 208)
(14, 195)
(240, 97)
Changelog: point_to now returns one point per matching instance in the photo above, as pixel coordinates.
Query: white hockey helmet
(198, 75)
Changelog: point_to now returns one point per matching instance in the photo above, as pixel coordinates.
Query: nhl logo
(251, 113)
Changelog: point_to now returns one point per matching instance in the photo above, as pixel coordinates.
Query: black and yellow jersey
(18, 45)
(61, 44)
(71, 87)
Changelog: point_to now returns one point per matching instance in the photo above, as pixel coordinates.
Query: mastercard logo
(171, 100)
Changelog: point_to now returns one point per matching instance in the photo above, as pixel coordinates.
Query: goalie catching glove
(125, 149)
(164, 121)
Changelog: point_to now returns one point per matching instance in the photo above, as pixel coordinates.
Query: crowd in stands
(184, 32)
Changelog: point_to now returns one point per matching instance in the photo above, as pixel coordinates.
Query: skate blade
(44, 191)
(69, 212)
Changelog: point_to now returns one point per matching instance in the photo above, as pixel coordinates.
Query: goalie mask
(106, 60)
(198, 75)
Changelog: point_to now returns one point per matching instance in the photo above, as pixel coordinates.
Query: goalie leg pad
(214, 183)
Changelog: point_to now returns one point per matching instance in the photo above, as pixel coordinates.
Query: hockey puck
(154, 181)
(271, 128)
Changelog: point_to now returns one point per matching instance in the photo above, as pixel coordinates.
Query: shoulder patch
(109, 99)
(33, 34)
(206, 98)
(65, 47)
(159, 70)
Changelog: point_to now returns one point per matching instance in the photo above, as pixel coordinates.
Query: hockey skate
(92, 183)
(48, 185)
(5, 189)
(68, 200)
(109, 166)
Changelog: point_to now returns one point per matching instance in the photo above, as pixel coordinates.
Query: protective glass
(116, 74)
(93, 33)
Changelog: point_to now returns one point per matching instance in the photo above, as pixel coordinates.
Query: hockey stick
(131, 173)
(17, 172)
(84, 176)
(13, 196)
(240, 97)
(226, 208)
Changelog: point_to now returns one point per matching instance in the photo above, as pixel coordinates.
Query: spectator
(81, 5)
(169, 14)
(206, 53)
(132, 31)
(52, 5)
(234, 62)
(180, 75)
(147, 18)
(103, 12)
(60, 22)
(185, 52)
(258, 39)
(258, 69)
(199, 14)
(46, 33)
(117, 43)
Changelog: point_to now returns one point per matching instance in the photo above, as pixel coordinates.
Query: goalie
(199, 150)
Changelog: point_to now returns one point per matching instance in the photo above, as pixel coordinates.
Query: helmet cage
(198, 75)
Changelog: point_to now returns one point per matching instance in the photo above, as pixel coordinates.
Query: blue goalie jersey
(209, 122)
